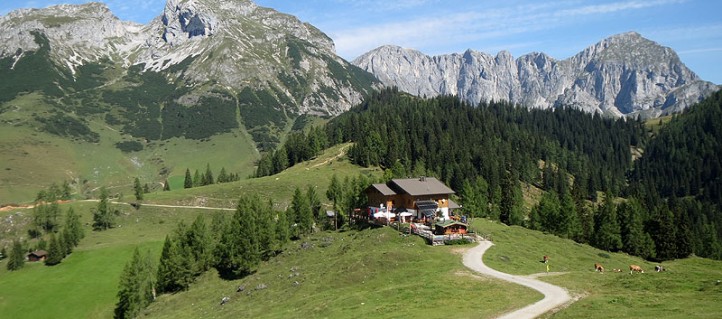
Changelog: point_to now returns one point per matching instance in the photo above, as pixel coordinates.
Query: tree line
(206, 178)
(491, 152)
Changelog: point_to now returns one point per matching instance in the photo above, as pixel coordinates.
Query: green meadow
(688, 289)
(374, 272)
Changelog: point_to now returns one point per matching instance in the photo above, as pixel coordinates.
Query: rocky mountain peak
(623, 75)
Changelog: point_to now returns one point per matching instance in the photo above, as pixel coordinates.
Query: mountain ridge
(622, 75)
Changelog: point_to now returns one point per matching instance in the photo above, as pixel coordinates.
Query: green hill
(372, 273)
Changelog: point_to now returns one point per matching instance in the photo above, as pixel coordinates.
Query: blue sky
(560, 28)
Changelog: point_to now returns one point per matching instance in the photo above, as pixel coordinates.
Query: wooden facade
(424, 197)
(38, 255)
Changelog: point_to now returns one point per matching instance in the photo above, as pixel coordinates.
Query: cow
(616, 270)
(598, 267)
(659, 268)
(633, 268)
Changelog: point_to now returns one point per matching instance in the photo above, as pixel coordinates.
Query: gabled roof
(420, 186)
(39, 253)
(453, 205)
(383, 189)
(450, 222)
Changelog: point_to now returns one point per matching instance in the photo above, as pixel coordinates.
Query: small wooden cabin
(38, 255)
(450, 227)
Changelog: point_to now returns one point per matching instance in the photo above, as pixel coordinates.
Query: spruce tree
(334, 192)
(635, 239)
(282, 228)
(200, 244)
(266, 231)
(17, 256)
(166, 186)
(138, 189)
(188, 181)
(174, 271)
(136, 288)
(607, 230)
(56, 251)
(223, 176)
(237, 252)
(314, 202)
(303, 217)
(103, 216)
(197, 180)
(74, 226)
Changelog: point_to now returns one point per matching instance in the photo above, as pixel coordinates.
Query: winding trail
(554, 296)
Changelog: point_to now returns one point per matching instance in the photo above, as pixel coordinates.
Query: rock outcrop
(624, 75)
(203, 44)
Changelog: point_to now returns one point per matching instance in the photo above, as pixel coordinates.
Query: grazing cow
(225, 300)
(659, 268)
(598, 267)
(633, 268)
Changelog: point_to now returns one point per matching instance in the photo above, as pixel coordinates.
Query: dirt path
(554, 296)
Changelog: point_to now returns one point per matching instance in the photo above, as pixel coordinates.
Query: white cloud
(615, 7)
(476, 25)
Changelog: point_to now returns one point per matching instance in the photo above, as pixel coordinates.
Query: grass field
(85, 284)
(371, 273)
(374, 273)
(279, 188)
(30, 159)
(688, 289)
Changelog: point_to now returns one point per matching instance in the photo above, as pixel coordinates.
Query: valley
(223, 161)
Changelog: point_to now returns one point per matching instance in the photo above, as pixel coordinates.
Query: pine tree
(571, 225)
(67, 241)
(174, 271)
(303, 217)
(636, 241)
(17, 256)
(314, 202)
(197, 180)
(334, 192)
(56, 251)
(664, 233)
(166, 186)
(138, 189)
(266, 231)
(146, 189)
(188, 181)
(199, 242)
(65, 191)
(74, 226)
(607, 230)
(137, 286)
(207, 178)
(103, 216)
(223, 176)
(282, 228)
(237, 252)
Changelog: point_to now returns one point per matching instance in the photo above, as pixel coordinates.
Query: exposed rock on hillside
(624, 75)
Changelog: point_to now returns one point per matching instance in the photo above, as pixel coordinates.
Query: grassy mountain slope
(688, 289)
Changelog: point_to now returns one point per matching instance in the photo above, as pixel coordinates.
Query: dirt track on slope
(554, 296)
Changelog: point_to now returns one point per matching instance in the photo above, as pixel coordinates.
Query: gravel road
(554, 296)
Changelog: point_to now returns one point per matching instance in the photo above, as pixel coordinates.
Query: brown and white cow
(633, 268)
(598, 267)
